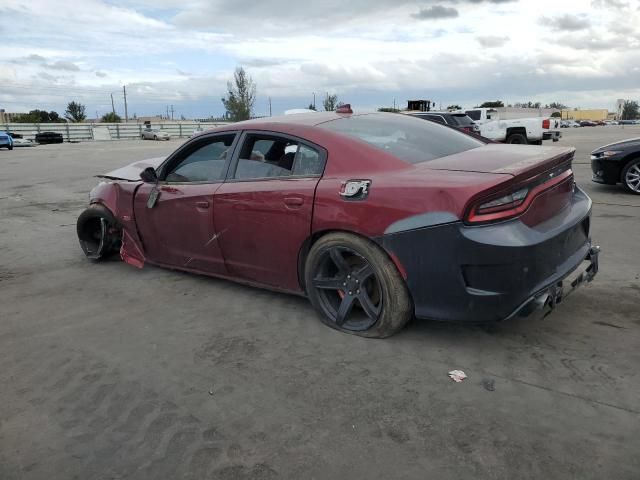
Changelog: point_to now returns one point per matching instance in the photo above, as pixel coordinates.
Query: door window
(206, 163)
(264, 156)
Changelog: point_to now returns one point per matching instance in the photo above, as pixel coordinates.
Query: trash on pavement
(457, 375)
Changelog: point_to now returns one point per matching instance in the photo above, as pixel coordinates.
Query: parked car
(22, 142)
(531, 131)
(49, 137)
(376, 218)
(569, 124)
(460, 121)
(14, 135)
(6, 141)
(588, 123)
(155, 135)
(618, 163)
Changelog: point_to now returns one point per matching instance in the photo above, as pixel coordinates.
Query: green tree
(39, 116)
(458, 107)
(388, 109)
(111, 118)
(496, 104)
(528, 104)
(556, 115)
(311, 107)
(557, 106)
(330, 102)
(75, 112)
(630, 110)
(241, 95)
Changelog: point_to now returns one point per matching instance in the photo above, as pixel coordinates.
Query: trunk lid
(515, 160)
(131, 172)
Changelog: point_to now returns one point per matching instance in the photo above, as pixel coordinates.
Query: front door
(178, 228)
(263, 212)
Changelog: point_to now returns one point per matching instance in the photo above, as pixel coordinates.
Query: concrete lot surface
(109, 372)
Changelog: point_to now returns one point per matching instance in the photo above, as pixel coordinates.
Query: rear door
(178, 228)
(263, 211)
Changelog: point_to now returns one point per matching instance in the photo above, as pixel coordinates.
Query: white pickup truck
(516, 130)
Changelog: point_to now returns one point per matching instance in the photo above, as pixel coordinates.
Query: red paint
(254, 231)
(262, 225)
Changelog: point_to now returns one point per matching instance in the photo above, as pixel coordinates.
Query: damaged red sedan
(376, 218)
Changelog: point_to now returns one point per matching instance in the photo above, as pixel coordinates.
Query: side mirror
(148, 175)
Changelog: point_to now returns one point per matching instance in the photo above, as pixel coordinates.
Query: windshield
(474, 114)
(410, 139)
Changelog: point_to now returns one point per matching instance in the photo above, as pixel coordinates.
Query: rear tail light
(506, 205)
(546, 124)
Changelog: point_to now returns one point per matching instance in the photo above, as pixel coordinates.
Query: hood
(631, 142)
(131, 173)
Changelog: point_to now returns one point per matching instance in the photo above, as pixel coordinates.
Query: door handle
(294, 201)
(202, 204)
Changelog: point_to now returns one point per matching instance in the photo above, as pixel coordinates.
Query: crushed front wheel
(98, 232)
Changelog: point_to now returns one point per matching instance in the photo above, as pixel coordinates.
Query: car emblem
(355, 189)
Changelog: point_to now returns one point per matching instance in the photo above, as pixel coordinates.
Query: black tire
(629, 174)
(390, 305)
(517, 138)
(99, 233)
(537, 142)
(155, 137)
(10, 147)
(142, 137)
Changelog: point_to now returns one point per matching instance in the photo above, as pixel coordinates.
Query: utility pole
(113, 107)
(172, 112)
(269, 106)
(167, 112)
(394, 103)
(314, 100)
(126, 113)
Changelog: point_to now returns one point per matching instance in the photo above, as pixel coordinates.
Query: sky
(583, 53)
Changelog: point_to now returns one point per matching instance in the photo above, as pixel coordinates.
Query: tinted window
(474, 114)
(461, 120)
(205, 164)
(433, 118)
(264, 156)
(408, 138)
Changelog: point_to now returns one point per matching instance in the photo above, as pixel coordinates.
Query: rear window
(474, 114)
(410, 139)
(462, 120)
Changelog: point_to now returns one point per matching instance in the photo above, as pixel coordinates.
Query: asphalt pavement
(110, 372)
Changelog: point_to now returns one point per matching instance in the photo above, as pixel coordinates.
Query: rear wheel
(98, 232)
(631, 176)
(155, 137)
(355, 287)
(517, 138)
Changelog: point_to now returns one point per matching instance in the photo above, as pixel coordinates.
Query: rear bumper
(554, 135)
(494, 272)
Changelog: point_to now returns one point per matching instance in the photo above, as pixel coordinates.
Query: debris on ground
(488, 385)
(457, 375)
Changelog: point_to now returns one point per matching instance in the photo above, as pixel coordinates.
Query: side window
(205, 164)
(308, 162)
(264, 156)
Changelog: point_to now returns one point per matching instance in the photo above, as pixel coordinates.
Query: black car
(49, 137)
(460, 121)
(618, 163)
(588, 123)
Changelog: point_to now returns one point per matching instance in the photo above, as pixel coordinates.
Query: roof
(308, 119)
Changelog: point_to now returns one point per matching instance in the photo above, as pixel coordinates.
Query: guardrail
(82, 132)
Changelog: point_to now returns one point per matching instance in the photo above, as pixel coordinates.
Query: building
(7, 117)
(595, 115)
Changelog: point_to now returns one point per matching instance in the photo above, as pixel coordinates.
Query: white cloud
(182, 51)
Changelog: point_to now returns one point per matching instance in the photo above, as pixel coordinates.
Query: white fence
(82, 132)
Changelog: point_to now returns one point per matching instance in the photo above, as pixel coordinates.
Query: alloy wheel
(632, 178)
(349, 289)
